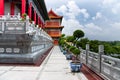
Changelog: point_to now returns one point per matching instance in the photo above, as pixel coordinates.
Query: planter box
(68, 56)
(64, 52)
(75, 67)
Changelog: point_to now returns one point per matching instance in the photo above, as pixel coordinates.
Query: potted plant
(76, 64)
(70, 55)
(24, 16)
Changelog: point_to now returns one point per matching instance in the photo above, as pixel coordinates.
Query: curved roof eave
(42, 8)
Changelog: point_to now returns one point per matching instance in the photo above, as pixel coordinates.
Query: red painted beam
(23, 6)
(1, 7)
(12, 8)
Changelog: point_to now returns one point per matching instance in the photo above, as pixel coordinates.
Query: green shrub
(71, 48)
(67, 46)
(76, 51)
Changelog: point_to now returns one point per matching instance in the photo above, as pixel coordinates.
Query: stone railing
(10, 17)
(21, 33)
(13, 24)
(107, 66)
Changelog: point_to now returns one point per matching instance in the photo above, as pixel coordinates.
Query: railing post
(3, 27)
(87, 52)
(101, 51)
(27, 23)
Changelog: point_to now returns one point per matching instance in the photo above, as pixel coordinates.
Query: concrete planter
(68, 56)
(75, 66)
(64, 52)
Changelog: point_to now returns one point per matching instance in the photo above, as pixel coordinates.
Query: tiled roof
(52, 14)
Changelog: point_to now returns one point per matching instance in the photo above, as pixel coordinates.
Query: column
(35, 16)
(12, 8)
(101, 52)
(43, 25)
(23, 6)
(87, 52)
(38, 21)
(30, 10)
(1, 7)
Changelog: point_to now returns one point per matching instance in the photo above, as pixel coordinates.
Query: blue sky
(99, 19)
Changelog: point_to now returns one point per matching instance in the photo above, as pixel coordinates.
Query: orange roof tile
(52, 14)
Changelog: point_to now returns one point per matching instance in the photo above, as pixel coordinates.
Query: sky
(99, 19)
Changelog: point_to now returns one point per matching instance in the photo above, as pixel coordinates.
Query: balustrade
(13, 24)
(100, 63)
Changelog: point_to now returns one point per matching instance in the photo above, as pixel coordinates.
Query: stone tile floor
(54, 67)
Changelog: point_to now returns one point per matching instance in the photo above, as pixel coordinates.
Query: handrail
(13, 24)
(102, 64)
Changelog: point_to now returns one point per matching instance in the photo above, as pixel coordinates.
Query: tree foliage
(76, 52)
(82, 43)
(70, 38)
(78, 34)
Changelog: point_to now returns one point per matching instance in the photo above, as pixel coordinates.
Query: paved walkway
(54, 67)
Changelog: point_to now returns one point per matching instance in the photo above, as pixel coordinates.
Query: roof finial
(51, 9)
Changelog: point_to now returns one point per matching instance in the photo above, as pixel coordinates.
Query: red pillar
(23, 6)
(43, 25)
(38, 21)
(1, 7)
(35, 16)
(30, 10)
(12, 8)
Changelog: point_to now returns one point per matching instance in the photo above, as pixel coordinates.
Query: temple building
(53, 26)
(35, 9)
(22, 38)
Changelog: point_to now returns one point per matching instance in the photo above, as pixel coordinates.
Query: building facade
(22, 38)
(53, 26)
(35, 9)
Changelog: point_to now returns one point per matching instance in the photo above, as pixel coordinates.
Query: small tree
(63, 35)
(70, 38)
(71, 48)
(77, 35)
(76, 52)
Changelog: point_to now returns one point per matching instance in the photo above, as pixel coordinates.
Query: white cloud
(70, 26)
(98, 16)
(92, 29)
(116, 26)
(116, 8)
(85, 13)
(62, 9)
(112, 32)
(108, 2)
(72, 10)
(112, 5)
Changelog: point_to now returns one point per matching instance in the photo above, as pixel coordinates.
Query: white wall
(7, 9)
(17, 10)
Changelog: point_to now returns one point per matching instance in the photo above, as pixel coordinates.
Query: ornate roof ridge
(52, 14)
